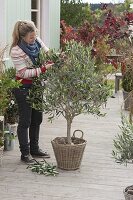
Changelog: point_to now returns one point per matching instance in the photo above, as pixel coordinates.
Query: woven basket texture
(128, 193)
(128, 101)
(68, 156)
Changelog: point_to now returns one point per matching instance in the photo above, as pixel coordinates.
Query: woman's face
(30, 38)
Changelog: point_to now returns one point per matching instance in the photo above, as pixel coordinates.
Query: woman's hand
(49, 64)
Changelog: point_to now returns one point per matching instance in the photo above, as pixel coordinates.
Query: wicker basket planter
(128, 100)
(68, 156)
(128, 193)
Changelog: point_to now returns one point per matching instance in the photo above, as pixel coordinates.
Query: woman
(24, 51)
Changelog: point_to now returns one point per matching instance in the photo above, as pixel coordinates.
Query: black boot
(34, 137)
(39, 153)
(34, 140)
(23, 140)
(27, 159)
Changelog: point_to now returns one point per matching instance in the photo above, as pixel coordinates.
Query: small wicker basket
(69, 156)
(128, 193)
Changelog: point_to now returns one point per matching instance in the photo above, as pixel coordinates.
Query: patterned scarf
(32, 50)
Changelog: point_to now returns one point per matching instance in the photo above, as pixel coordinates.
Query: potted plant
(124, 47)
(123, 142)
(123, 149)
(11, 116)
(73, 88)
(2, 104)
(11, 111)
(6, 85)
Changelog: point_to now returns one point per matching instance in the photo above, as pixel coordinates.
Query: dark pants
(29, 122)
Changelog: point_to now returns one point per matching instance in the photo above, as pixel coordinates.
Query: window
(35, 12)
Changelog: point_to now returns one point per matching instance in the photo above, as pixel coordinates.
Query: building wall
(50, 23)
(2, 24)
(45, 28)
(54, 23)
(10, 12)
(14, 10)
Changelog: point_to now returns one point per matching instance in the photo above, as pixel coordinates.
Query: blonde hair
(21, 29)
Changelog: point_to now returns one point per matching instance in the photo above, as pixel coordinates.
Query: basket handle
(78, 130)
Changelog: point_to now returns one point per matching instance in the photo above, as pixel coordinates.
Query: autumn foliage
(102, 36)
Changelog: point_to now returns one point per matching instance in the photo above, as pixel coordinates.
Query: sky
(103, 1)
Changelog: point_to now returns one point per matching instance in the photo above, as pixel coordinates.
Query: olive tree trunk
(69, 123)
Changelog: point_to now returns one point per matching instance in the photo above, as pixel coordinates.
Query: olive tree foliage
(74, 12)
(73, 88)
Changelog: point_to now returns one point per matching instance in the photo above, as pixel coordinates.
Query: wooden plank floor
(99, 177)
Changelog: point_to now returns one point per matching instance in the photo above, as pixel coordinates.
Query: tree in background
(123, 6)
(74, 12)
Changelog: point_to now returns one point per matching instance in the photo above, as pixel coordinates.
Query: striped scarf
(32, 50)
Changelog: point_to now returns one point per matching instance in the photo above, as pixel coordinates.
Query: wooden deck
(99, 177)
